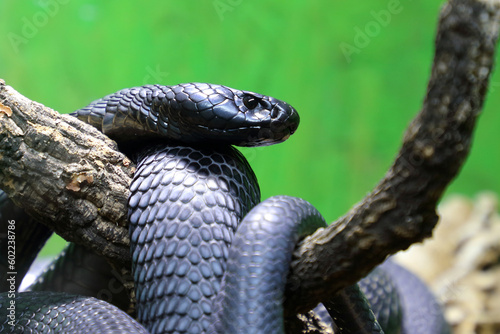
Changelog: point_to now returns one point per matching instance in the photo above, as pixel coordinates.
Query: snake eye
(250, 101)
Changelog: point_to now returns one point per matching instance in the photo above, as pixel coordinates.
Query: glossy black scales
(77, 270)
(422, 313)
(185, 205)
(378, 287)
(192, 113)
(251, 299)
(55, 312)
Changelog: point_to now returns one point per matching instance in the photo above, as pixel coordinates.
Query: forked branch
(51, 164)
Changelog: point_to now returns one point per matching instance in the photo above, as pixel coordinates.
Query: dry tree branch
(72, 178)
(66, 174)
(400, 210)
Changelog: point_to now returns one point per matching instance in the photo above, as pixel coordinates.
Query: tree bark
(81, 180)
(401, 210)
(66, 174)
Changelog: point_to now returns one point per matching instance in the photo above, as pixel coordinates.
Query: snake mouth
(285, 137)
(292, 128)
(292, 121)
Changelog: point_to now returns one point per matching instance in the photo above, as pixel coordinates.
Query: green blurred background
(354, 105)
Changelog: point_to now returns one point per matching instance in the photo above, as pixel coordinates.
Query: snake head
(192, 113)
(268, 120)
(238, 117)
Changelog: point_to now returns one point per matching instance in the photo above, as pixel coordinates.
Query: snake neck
(184, 208)
(132, 113)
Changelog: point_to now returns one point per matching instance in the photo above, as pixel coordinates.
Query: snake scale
(207, 257)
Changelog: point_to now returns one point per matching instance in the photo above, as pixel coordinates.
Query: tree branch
(400, 210)
(71, 177)
(66, 174)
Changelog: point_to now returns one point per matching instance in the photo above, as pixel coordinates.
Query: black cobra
(192, 113)
(187, 201)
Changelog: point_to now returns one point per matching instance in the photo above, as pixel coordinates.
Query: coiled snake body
(186, 204)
